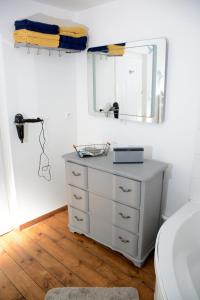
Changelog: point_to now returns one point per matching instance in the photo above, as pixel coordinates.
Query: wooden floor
(47, 255)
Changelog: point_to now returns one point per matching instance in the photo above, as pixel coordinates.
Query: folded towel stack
(36, 33)
(111, 50)
(52, 36)
(73, 37)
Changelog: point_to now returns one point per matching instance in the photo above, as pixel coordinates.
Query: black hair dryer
(19, 122)
(116, 110)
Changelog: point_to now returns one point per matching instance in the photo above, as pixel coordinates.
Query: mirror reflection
(127, 80)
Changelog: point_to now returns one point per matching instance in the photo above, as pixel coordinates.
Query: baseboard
(43, 217)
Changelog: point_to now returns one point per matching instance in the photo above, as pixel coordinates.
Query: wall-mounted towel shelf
(39, 48)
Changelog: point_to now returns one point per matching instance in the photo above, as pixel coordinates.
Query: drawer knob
(123, 240)
(78, 219)
(76, 173)
(124, 216)
(77, 197)
(124, 189)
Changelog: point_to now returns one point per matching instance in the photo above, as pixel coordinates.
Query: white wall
(4, 211)
(172, 141)
(36, 86)
(195, 182)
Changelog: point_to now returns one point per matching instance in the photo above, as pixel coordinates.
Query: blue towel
(68, 42)
(72, 46)
(103, 49)
(36, 26)
(121, 44)
(73, 40)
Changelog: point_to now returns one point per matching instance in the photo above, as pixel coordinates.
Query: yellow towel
(74, 31)
(37, 42)
(117, 50)
(75, 35)
(116, 47)
(36, 38)
(116, 53)
(24, 32)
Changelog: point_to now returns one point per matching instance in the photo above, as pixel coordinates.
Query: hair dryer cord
(44, 169)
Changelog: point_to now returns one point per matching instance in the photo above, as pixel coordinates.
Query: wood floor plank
(7, 290)
(68, 245)
(50, 263)
(29, 264)
(26, 286)
(68, 259)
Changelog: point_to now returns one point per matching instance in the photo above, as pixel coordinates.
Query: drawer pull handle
(77, 197)
(78, 219)
(124, 190)
(123, 240)
(76, 173)
(124, 216)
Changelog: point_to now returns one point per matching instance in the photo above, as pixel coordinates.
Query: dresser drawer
(78, 198)
(124, 241)
(127, 191)
(100, 182)
(77, 175)
(100, 230)
(125, 217)
(79, 220)
(101, 207)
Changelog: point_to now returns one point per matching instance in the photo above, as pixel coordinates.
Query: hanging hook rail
(60, 51)
(28, 50)
(38, 51)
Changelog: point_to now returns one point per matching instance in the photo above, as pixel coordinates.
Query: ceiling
(74, 5)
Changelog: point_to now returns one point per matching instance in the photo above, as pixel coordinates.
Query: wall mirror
(127, 80)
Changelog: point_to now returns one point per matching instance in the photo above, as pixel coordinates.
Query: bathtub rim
(164, 266)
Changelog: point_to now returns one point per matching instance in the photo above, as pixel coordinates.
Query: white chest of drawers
(117, 205)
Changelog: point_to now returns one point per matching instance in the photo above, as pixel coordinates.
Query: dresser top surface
(140, 172)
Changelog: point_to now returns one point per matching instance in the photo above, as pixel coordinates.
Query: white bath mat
(69, 293)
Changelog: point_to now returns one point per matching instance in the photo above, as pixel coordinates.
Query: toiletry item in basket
(125, 155)
(92, 150)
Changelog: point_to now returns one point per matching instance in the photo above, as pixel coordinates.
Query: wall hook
(28, 50)
(50, 52)
(38, 51)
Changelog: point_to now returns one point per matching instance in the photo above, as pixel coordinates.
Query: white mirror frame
(159, 106)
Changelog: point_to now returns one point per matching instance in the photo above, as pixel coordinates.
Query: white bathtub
(177, 256)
